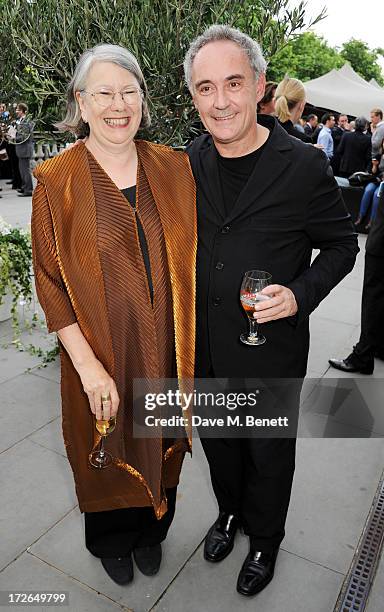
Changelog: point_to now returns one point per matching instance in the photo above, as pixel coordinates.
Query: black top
(234, 174)
(337, 134)
(292, 131)
(130, 194)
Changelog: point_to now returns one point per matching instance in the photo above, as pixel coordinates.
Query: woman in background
(289, 106)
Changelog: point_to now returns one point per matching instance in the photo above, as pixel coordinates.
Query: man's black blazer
(290, 206)
(355, 151)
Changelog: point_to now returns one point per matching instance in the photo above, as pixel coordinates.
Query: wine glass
(254, 281)
(101, 458)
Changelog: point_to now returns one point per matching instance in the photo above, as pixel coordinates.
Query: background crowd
(17, 146)
(353, 146)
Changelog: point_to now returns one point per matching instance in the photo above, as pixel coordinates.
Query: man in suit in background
(265, 200)
(355, 150)
(24, 148)
(341, 127)
(371, 341)
(311, 124)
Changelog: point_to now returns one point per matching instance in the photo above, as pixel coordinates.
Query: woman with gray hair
(114, 241)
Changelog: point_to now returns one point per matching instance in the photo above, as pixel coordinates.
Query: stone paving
(336, 479)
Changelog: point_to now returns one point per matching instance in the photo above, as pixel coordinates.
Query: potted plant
(15, 270)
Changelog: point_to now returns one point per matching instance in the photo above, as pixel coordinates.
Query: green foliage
(16, 280)
(308, 56)
(363, 60)
(305, 57)
(48, 37)
(15, 264)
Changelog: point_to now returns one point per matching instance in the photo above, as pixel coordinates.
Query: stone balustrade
(46, 149)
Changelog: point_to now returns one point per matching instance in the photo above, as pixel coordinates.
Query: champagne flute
(101, 458)
(254, 281)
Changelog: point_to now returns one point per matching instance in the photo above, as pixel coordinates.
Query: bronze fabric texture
(89, 269)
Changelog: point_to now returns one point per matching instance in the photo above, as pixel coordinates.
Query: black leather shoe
(220, 538)
(350, 365)
(21, 190)
(148, 559)
(256, 572)
(25, 195)
(120, 569)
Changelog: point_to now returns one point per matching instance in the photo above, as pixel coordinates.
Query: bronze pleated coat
(89, 269)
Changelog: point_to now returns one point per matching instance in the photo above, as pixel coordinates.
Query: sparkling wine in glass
(254, 281)
(101, 458)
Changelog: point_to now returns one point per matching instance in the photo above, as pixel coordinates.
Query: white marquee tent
(344, 91)
(375, 84)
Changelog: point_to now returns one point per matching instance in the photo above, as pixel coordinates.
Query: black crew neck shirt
(234, 174)
(130, 194)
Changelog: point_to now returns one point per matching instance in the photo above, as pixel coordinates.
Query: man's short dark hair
(326, 117)
(23, 107)
(311, 116)
(270, 88)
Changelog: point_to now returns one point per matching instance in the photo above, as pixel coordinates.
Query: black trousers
(252, 478)
(26, 174)
(115, 533)
(372, 312)
(14, 162)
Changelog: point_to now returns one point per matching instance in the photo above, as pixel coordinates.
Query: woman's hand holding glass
(98, 384)
(104, 402)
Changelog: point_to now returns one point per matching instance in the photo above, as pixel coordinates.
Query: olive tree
(41, 41)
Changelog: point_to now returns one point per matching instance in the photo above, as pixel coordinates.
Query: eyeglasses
(105, 98)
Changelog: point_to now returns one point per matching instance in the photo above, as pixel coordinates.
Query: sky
(348, 19)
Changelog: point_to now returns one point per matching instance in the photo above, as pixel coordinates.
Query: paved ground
(336, 478)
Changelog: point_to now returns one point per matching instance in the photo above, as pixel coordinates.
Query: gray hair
(115, 54)
(361, 124)
(223, 32)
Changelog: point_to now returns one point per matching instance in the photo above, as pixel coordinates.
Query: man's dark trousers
(371, 340)
(252, 479)
(25, 173)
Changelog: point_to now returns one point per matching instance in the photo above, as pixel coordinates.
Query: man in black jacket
(311, 125)
(355, 150)
(338, 131)
(265, 200)
(371, 341)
